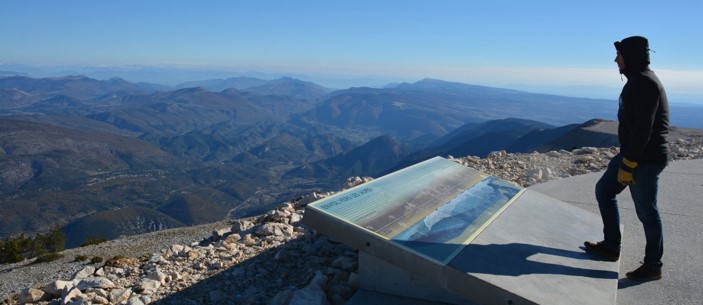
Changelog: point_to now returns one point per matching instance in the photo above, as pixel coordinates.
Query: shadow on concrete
(515, 259)
(627, 283)
(595, 256)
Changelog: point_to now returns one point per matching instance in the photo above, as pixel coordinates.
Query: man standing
(643, 118)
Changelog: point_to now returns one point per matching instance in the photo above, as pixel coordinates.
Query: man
(643, 118)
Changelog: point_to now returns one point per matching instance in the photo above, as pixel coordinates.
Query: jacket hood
(635, 52)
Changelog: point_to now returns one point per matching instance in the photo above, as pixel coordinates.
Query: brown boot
(645, 273)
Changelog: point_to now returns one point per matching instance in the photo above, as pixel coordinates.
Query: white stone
(135, 301)
(82, 300)
(199, 265)
(145, 299)
(97, 299)
(95, 282)
(73, 293)
(177, 249)
(218, 264)
(193, 254)
(100, 272)
(233, 238)
(220, 233)
(57, 288)
(241, 226)
(295, 219)
(248, 240)
(175, 276)
(584, 159)
(287, 206)
(535, 173)
(157, 259)
(157, 276)
(100, 292)
(274, 228)
(32, 295)
(84, 273)
(147, 286)
(120, 295)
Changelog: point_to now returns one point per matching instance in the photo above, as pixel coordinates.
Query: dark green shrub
(54, 241)
(48, 257)
(93, 240)
(80, 258)
(96, 259)
(19, 248)
(11, 250)
(113, 262)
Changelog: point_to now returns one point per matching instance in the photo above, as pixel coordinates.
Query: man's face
(620, 61)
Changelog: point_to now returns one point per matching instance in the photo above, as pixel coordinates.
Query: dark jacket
(644, 109)
(644, 118)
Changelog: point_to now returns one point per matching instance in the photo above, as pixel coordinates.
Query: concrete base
(376, 275)
(365, 297)
(531, 254)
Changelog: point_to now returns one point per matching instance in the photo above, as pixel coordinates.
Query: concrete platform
(681, 208)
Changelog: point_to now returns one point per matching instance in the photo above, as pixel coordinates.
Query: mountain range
(104, 158)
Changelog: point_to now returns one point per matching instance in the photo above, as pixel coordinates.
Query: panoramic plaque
(433, 208)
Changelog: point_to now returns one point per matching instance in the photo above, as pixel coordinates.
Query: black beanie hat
(635, 52)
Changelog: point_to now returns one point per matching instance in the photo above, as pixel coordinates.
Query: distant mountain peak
(290, 80)
(292, 87)
(190, 90)
(117, 80)
(433, 80)
(73, 77)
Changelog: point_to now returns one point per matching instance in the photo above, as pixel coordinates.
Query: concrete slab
(681, 208)
(533, 251)
(528, 255)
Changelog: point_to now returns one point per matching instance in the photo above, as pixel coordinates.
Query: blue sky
(553, 46)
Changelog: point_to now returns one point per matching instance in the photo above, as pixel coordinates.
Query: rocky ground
(268, 259)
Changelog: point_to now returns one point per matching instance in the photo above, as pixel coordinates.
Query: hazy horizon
(546, 46)
(172, 76)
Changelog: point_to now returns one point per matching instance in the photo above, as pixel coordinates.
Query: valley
(108, 158)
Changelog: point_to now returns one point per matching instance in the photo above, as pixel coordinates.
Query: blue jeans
(644, 194)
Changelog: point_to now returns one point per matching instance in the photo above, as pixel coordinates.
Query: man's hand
(625, 172)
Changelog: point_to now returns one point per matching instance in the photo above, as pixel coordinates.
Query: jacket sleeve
(646, 102)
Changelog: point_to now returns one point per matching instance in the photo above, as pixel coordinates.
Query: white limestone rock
(84, 273)
(72, 294)
(95, 282)
(157, 276)
(120, 295)
(274, 228)
(57, 288)
(295, 219)
(147, 286)
(32, 295)
(241, 225)
(220, 233)
(233, 238)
